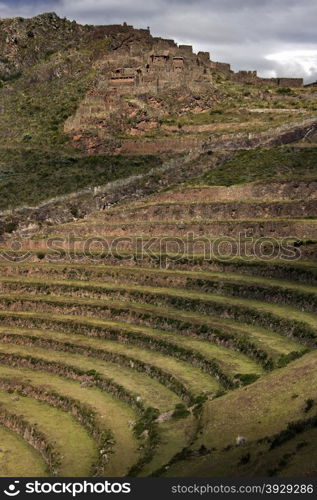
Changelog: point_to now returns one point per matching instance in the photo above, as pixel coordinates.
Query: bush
(180, 411)
(247, 378)
(74, 211)
(309, 404)
(10, 227)
(284, 90)
(245, 459)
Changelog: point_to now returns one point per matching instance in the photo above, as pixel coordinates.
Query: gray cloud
(242, 32)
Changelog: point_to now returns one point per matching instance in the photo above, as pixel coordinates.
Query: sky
(276, 37)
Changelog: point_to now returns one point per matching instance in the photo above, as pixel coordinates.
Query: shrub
(245, 459)
(40, 255)
(309, 404)
(247, 378)
(180, 411)
(284, 90)
(74, 211)
(10, 227)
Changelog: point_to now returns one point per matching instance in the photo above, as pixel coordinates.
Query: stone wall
(157, 64)
(290, 82)
(149, 64)
(245, 77)
(220, 66)
(252, 77)
(135, 78)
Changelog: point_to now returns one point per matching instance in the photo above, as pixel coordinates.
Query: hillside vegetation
(158, 318)
(53, 76)
(263, 164)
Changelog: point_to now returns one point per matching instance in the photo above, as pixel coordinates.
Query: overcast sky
(277, 37)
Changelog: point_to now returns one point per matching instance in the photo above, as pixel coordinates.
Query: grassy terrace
(275, 345)
(262, 164)
(170, 297)
(272, 290)
(13, 446)
(114, 414)
(201, 333)
(298, 271)
(49, 362)
(173, 440)
(291, 227)
(152, 393)
(129, 361)
(272, 403)
(43, 236)
(57, 426)
(111, 413)
(209, 209)
(133, 272)
(145, 205)
(64, 228)
(190, 378)
(182, 347)
(259, 343)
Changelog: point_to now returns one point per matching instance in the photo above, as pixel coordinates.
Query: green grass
(29, 463)
(174, 435)
(304, 459)
(29, 176)
(231, 361)
(133, 208)
(247, 264)
(193, 379)
(69, 438)
(36, 160)
(274, 344)
(257, 315)
(275, 392)
(171, 278)
(263, 164)
(281, 311)
(222, 116)
(151, 392)
(114, 415)
(167, 448)
(100, 271)
(75, 288)
(295, 458)
(91, 225)
(111, 413)
(272, 402)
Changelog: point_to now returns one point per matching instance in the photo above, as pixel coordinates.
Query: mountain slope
(100, 103)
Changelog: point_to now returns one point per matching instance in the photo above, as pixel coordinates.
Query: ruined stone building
(151, 64)
(140, 78)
